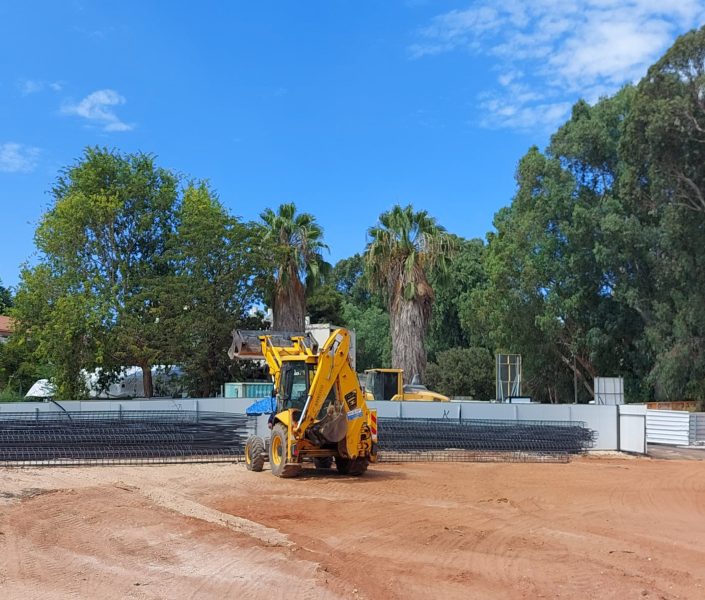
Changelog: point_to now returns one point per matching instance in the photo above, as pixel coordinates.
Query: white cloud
(97, 108)
(548, 53)
(32, 86)
(18, 158)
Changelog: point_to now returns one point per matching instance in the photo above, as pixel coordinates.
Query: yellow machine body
(388, 384)
(321, 410)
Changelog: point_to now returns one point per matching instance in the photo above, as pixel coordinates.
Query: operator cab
(383, 384)
(294, 383)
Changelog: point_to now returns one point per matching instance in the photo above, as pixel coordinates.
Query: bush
(463, 372)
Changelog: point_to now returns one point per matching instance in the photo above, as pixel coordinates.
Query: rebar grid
(121, 437)
(482, 440)
(163, 437)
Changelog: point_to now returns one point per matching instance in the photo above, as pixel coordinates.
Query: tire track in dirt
(240, 568)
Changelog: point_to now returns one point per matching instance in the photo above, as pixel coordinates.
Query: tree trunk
(408, 329)
(147, 381)
(289, 307)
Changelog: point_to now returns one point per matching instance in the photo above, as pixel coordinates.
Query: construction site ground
(597, 527)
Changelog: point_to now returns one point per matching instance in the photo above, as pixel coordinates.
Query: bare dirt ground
(677, 452)
(594, 528)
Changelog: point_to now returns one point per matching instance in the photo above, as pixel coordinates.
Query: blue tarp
(264, 406)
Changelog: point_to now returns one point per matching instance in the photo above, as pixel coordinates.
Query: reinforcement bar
(122, 437)
(138, 437)
(482, 440)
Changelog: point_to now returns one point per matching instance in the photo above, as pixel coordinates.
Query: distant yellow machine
(388, 384)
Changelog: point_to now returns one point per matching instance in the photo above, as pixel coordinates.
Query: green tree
(60, 322)
(664, 196)
(325, 305)
(5, 299)
(209, 291)
(463, 372)
(349, 278)
(451, 324)
(551, 264)
(293, 244)
(93, 299)
(19, 368)
(371, 327)
(404, 248)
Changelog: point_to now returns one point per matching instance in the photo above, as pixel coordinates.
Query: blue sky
(344, 107)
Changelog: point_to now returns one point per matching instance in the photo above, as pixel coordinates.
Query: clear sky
(344, 107)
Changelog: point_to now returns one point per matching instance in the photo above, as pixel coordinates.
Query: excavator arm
(332, 360)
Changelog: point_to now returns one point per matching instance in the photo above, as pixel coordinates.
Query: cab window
(294, 385)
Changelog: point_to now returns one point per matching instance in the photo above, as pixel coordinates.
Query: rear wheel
(351, 466)
(323, 462)
(254, 453)
(281, 467)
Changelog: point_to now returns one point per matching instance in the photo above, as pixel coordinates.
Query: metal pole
(575, 381)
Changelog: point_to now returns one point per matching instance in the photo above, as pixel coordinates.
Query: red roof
(7, 324)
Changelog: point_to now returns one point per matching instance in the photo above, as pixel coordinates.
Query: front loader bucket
(247, 344)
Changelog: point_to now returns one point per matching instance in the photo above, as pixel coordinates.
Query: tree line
(138, 266)
(595, 267)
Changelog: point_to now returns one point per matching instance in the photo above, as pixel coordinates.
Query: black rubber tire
(278, 445)
(359, 466)
(254, 453)
(351, 466)
(323, 462)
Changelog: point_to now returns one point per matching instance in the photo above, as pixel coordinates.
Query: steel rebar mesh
(121, 437)
(139, 437)
(482, 440)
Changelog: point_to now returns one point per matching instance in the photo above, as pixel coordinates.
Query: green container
(248, 389)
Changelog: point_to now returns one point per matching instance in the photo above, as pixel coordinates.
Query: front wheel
(254, 453)
(281, 466)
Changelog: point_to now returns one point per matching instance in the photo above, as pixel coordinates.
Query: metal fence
(671, 427)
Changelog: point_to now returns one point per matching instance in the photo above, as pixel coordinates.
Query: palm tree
(295, 242)
(403, 248)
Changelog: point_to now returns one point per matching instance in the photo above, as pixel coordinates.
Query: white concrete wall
(602, 419)
(632, 428)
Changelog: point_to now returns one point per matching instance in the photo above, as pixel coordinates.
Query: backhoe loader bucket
(247, 344)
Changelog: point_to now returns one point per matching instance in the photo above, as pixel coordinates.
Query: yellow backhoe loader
(321, 412)
(388, 384)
